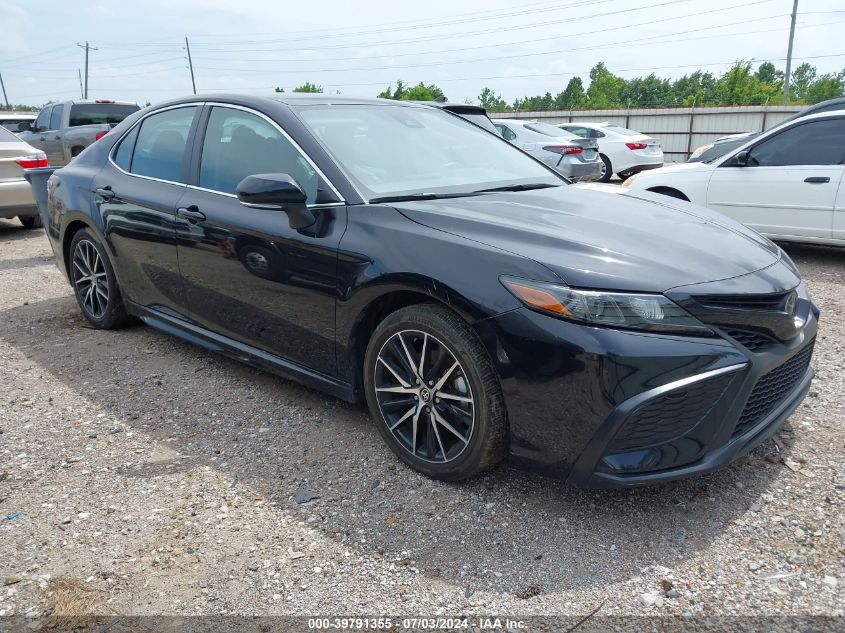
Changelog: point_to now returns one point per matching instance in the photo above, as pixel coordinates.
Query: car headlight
(652, 312)
(629, 181)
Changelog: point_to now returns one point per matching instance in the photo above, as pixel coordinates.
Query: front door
(52, 138)
(247, 274)
(138, 192)
(788, 188)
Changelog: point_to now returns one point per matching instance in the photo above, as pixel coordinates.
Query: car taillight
(33, 161)
(564, 149)
(100, 135)
(636, 145)
(103, 101)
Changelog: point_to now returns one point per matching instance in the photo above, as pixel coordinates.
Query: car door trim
(117, 143)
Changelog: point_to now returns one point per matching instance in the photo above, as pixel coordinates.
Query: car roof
(588, 123)
(94, 102)
(288, 99)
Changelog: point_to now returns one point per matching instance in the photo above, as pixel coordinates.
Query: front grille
(753, 341)
(669, 416)
(757, 303)
(772, 389)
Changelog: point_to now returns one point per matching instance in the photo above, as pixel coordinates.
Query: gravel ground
(173, 481)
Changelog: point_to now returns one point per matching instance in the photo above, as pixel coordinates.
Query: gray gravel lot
(170, 480)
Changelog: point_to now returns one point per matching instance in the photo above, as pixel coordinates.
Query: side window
(596, 134)
(56, 117)
(506, 132)
(813, 143)
(123, 155)
(43, 120)
(238, 144)
(160, 144)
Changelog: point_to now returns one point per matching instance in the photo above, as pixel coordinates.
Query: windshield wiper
(404, 197)
(522, 187)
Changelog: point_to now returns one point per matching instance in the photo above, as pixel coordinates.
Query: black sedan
(482, 306)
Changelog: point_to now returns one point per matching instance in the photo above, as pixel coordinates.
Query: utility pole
(787, 77)
(87, 48)
(5, 98)
(81, 92)
(191, 63)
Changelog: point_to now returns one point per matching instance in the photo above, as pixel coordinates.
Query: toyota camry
(481, 305)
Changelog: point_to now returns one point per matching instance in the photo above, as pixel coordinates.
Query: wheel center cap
(425, 395)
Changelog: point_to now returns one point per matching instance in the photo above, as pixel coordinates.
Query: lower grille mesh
(772, 389)
(669, 416)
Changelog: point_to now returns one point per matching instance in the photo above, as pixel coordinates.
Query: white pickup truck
(63, 130)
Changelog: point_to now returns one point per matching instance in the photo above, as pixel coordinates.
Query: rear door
(137, 193)
(839, 212)
(789, 187)
(52, 138)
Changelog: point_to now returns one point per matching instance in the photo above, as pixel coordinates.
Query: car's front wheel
(94, 283)
(606, 168)
(434, 394)
(30, 221)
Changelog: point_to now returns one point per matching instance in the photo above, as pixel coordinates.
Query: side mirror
(741, 159)
(276, 191)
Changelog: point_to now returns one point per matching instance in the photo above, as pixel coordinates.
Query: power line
(87, 48)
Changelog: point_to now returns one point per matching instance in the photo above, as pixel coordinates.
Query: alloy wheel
(90, 280)
(424, 396)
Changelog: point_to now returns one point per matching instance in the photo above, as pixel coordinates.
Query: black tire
(608, 169)
(445, 337)
(31, 221)
(103, 307)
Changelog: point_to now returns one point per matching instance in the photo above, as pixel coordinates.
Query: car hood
(608, 238)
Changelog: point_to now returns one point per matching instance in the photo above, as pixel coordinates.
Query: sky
(359, 48)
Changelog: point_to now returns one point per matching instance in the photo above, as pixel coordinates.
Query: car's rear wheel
(30, 221)
(606, 168)
(94, 283)
(434, 394)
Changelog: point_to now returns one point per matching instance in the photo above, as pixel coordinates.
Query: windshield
(389, 150)
(720, 149)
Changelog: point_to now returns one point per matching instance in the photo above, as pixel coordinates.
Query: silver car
(574, 157)
(15, 193)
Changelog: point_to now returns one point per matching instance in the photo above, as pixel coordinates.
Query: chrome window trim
(114, 148)
(296, 146)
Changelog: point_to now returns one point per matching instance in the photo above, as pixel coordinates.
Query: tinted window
(813, 143)
(43, 119)
(56, 117)
(577, 131)
(506, 132)
(160, 145)
(238, 144)
(100, 113)
(123, 155)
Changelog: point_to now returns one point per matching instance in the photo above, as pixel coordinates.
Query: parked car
(575, 158)
(472, 113)
(12, 120)
(720, 147)
(63, 130)
(785, 183)
(622, 151)
(837, 103)
(481, 304)
(16, 199)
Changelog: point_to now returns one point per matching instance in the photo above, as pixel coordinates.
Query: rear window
(99, 113)
(545, 128)
(621, 130)
(6, 136)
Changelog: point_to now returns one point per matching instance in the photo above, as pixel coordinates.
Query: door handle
(105, 193)
(191, 213)
(817, 179)
(57, 138)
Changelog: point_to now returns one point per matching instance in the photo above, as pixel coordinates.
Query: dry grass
(72, 605)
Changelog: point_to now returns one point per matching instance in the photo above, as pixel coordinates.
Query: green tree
(650, 91)
(827, 86)
(605, 88)
(802, 78)
(308, 87)
(573, 95)
(697, 88)
(739, 86)
(492, 102)
(420, 92)
(768, 73)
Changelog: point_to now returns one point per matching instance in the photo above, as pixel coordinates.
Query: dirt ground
(164, 479)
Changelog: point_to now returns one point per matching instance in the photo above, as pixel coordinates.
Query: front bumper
(612, 408)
